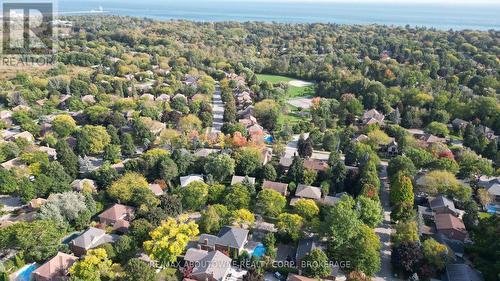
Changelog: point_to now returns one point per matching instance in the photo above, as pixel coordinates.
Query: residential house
(304, 247)
(459, 124)
(241, 179)
(443, 205)
(360, 138)
(25, 135)
(156, 189)
(118, 216)
(487, 132)
(316, 165)
(91, 239)
(428, 139)
(454, 246)
(451, 226)
(492, 185)
(392, 148)
(282, 188)
(267, 155)
(203, 265)
(247, 112)
(306, 192)
(51, 152)
(80, 185)
(372, 116)
(461, 272)
(255, 129)
(88, 99)
(204, 152)
(230, 240)
(36, 203)
(13, 163)
(286, 162)
(190, 178)
(55, 269)
(6, 117)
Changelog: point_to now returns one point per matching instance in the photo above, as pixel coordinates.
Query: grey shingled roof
(214, 264)
(462, 272)
(232, 236)
(93, 237)
(305, 247)
(442, 201)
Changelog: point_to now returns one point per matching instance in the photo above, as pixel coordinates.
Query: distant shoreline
(437, 16)
(110, 14)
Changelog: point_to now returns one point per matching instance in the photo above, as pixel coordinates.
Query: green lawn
(273, 78)
(483, 215)
(293, 92)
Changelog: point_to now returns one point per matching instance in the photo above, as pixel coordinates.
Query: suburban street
(217, 111)
(384, 230)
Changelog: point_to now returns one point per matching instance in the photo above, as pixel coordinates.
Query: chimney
(205, 241)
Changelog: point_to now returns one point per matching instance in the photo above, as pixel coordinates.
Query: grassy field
(293, 91)
(273, 78)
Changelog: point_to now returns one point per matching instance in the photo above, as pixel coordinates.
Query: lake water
(441, 16)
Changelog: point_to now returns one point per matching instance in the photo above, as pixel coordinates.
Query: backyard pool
(493, 209)
(259, 251)
(24, 274)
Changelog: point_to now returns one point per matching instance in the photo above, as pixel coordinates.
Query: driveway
(217, 111)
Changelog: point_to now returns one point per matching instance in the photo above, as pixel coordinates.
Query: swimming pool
(259, 251)
(24, 274)
(493, 209)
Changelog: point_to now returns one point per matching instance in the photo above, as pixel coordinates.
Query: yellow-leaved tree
(169, 240)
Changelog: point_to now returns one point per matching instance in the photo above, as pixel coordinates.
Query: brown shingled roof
(448, 221)
(277, 186)
(55, 267)
(315, 164)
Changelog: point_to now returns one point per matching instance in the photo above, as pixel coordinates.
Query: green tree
(291, 225)
(270, 202)
(405, 232)
(213, 218)
(39, 240)
(248, 160)
(401, 190)
(268, 113)
(94, 266)
(401, 164)
(237, 197)
(8, 183)
(370, 211)
(296, 171)
(168, 169)
(269, 172)
(112, 153)
(138, 270)
(67, 158)
(220, 166)
(169, 240)
(306, 208)
(437, 128)
(435, 253)
(63, 125)
(127, 145)
(92, 140)
(194, 196)
(132, 188)
(316, 264)
(105, 175)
